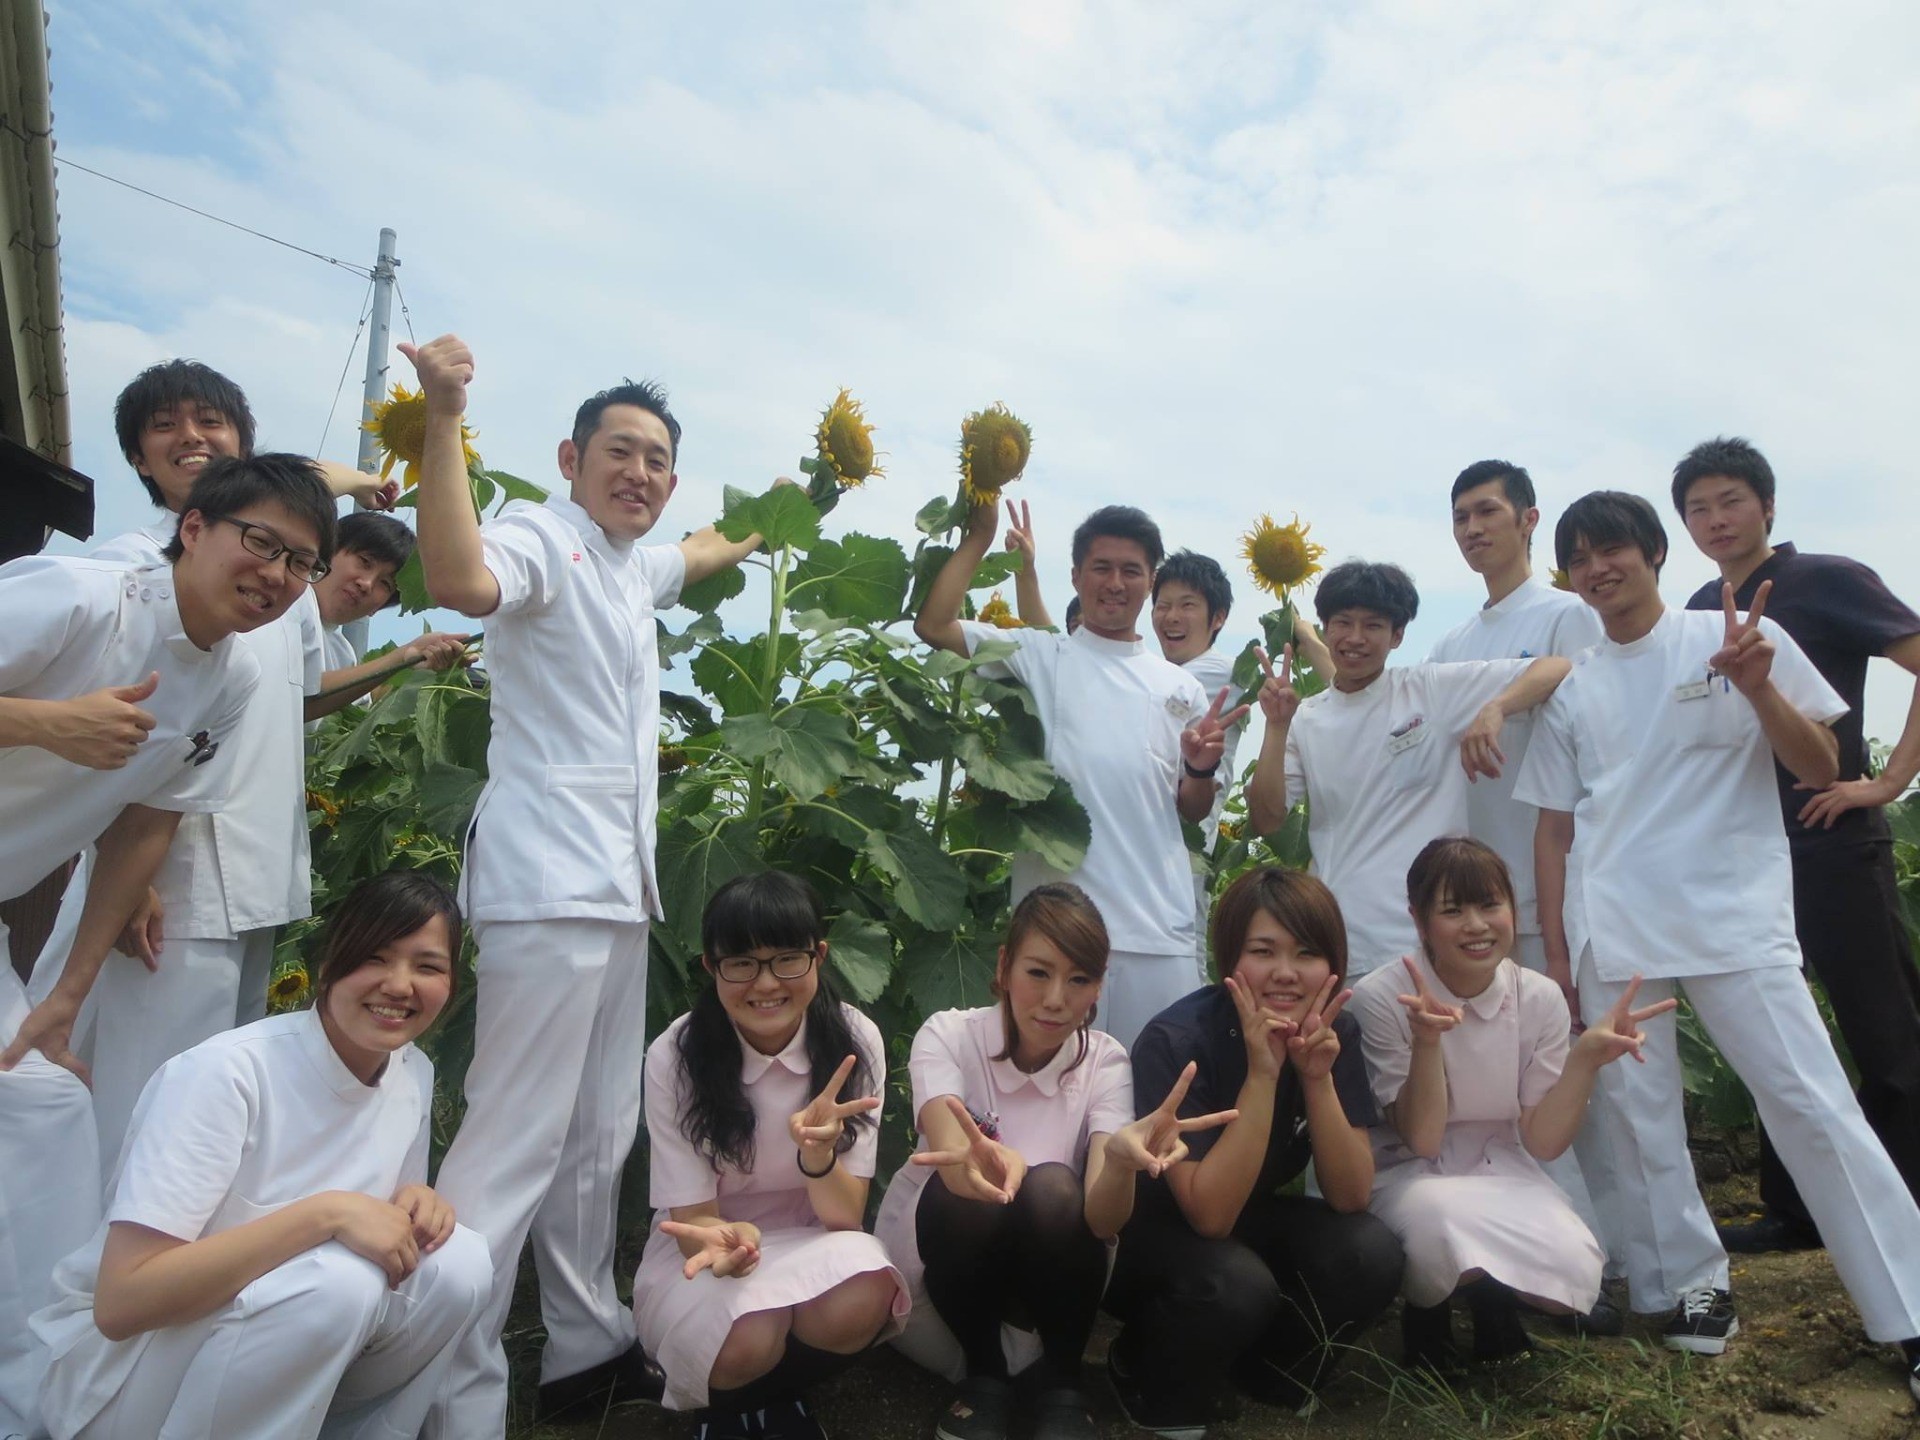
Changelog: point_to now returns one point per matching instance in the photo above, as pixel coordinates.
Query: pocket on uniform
(591, 852)
(1411, 766)
(1719, 720)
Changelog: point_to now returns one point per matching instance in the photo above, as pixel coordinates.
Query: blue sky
(1225, 258)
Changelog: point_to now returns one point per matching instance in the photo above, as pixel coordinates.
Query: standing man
(1846, 906)
(1132, 733)
(559, 880)
(1653, 770)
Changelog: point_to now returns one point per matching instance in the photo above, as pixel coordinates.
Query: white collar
(595, 538)
(1010, 1079)
(1487, 1004)
(1103, 646)
(1528, 592)
(793, 1058)
(1660, 633)
(331, 1069)
(172, 628)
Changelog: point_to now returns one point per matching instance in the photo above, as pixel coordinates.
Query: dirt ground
(1800, 1369)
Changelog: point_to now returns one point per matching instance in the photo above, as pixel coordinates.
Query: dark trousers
(1294, 1282)
(1846, 908)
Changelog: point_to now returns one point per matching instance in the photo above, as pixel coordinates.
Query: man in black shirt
(1846, 907)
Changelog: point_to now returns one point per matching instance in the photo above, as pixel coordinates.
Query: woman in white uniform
(763, 1105)
(1475, 1076)
(272, 1261)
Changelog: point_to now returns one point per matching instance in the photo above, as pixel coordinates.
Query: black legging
(1034, 1262)
(1294, 1281)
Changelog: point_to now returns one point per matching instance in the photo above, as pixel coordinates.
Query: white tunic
(1112, 714)
(232, 1130)
(1380, 771)
(565, 826)
(76, 626)
(1679, 864)
(1534, 620)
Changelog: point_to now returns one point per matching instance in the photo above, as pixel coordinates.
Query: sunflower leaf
(923, 879)
(858, 578)
(782, 516)
(861, 952)
(807, 749)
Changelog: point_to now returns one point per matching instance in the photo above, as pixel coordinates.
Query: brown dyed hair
(1062, 913)
(1302, 905)
(1460, 869)
(389, 907)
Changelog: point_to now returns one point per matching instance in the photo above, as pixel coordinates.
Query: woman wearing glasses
(763, 1105)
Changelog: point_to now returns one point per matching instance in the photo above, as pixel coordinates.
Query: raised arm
(938, 622)
(366, 490)
(1419, 1111)
(1031, 603)
(1213, 1190)
(1267, 787)
(1480, 752)
(1152, 1144)
(451, 556)
(437, 650)
(1804, 746)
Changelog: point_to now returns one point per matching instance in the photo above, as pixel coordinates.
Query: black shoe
(1911, 1349)
(1703, 1324)
(1061, 1414)
(789, 1420)
(1426, 1339)
(1497, 1332)
(979, 1410)
(1769, 1234)
(1171, 1417)
(629, 1379)
(723, 1426)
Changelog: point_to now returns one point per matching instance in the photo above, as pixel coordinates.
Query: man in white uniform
(1374, 754)
(559, 880)
(1133, 734)
(1653, 770)
(1494, 519)
(121, 689)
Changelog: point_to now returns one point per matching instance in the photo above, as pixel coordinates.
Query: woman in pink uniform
(763, 1104)
(1005, 1221)
(1475, 1075)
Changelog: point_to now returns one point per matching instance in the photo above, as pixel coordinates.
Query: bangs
(1460, 871)
(771, 910)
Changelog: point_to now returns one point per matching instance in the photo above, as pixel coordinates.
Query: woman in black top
(1218, 1273)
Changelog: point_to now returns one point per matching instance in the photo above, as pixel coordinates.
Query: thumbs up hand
(100, 730)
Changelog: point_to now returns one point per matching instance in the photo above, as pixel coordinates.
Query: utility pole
(376, 383)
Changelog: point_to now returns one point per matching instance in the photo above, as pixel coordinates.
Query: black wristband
(800, 1160)
(1206, 774)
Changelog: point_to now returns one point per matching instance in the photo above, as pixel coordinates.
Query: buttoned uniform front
(233, 1130)
(683, 1322)
(1380, 771)
(1113, 715)
(1048, 1115)
(559, 880)
(1679, 872)
(1214, 670)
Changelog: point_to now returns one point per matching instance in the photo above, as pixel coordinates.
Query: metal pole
(376, 383)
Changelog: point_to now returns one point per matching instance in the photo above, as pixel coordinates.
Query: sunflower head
(994, 445)
(289, 987)
(399, 427)
(846, 442)
(1561, 580)
(1281, 557)
(998, 613)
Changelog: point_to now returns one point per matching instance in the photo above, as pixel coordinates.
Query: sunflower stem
(770, 671)
(954, 709)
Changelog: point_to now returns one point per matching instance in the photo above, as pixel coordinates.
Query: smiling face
(388, 1001)
(1491, 534)
(1049, 995)
(625, 475)
(176, 443)
(1360, 640)
(1112, 583)
(1617, 580)
(224, 588)
(1277, 969)
(1466, 940)
(767, 1010)
(1182, 622)
(357, 588)
(1728, 521)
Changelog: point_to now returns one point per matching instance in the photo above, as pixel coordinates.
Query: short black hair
(1073, 612)
(1202, 575)
(1514, 481)
(232, 483)
(381, 538)
(648, 395)
(1611, 517)
(1368, 585)
(1727, 455)
(1123, 522)
(170, 384)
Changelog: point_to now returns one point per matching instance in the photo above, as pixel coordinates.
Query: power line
(207, 215)
(405, 314)
(366, 309)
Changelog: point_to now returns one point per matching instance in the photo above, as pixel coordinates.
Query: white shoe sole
(1702, 1344)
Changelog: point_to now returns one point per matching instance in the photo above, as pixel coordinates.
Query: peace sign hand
(1746, 656)
(731, 1249)
(982, 1169)
(1430, 1019)
(819, 1126)
(1618, 1032)
(1265, 1033)
(1315, 1047)
(1278, 699)
(1020, 531)
(1152, 1144)
(1203, 742)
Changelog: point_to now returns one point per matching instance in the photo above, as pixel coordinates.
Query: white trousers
(553, 1102)
(49, 1199)
(142, 1018)
(1765, 1023)
(1138, 987)
(319, 1346)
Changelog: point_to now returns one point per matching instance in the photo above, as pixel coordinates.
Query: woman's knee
(1362, 1262)
(459, 1275)
(849, 1316)
(753, 1347)
(1052, 1198)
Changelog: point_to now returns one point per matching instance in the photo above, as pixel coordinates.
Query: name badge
(1698, 690)
(1406, 739)
(1179, 709)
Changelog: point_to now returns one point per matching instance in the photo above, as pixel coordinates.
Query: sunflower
(846, 442)
(1281, 557)
(1561, 581)
(289, 988)
(994, 445)
(998, 613)
(399, 426)
(328, 807)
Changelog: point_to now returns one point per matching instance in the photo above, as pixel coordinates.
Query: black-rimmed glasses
(259, 540)
(745, 969)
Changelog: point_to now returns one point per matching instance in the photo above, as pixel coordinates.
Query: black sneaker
(789, 1420)
(1497, 1332)
(1703, 1324)
(629, 1379)
(1061, 1414)
(709, 1425)
(1168, 1416)
(1767, 1234)
(1426, 1339)
(1606, 1318)
(979, 1410)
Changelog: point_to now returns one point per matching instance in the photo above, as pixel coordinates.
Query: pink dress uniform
(1049, 1115)
(683, 1323)
(1484, 1203)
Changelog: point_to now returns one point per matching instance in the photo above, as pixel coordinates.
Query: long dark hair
(1061, 912)
(377, 912)
(771, 909)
